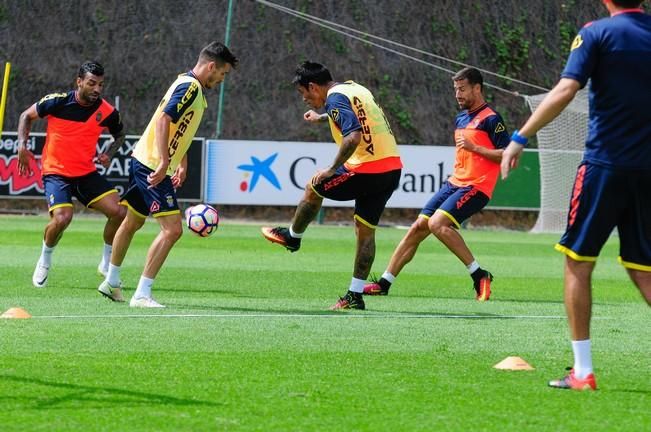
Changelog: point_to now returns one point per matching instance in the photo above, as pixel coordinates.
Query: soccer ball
(202, 219)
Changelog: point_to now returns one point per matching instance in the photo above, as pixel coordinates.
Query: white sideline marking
(333, 315)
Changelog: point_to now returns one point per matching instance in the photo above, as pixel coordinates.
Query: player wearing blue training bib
(612, 188)
(159, 166)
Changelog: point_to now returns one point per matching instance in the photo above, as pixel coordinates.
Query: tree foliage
(144, 44)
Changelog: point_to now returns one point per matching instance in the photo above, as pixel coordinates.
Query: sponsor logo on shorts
(464, 199)
(337, 180)
(170, 200)
(51, 198)
(154, 207)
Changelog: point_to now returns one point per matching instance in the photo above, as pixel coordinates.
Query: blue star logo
(261, 168)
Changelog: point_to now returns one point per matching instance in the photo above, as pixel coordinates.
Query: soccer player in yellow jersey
(159, 166)
(366, 169)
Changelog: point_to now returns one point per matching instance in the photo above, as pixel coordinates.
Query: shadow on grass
(325, 311)
(103, 396)
(634, 391)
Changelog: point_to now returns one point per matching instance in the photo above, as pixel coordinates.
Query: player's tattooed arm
(118, 140)
(25, 156)
(348, 146)
(346, 150)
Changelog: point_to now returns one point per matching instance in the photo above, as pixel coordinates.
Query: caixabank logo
(258, 169)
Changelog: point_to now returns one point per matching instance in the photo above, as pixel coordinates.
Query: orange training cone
(16, 312)
(513, 363)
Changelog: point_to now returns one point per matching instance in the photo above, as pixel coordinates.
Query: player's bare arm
(162, 133)
(118, 140)
(24, 127)
(105, 158)
(180, 173)
(346, 150)
(553, 104)
(314, 117)
(494, 155)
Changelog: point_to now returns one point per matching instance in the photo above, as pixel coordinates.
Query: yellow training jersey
(185, 103)
(351, 107)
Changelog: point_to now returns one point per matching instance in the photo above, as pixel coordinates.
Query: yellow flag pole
(3, 99)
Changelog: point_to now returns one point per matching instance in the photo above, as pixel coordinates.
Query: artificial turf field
(247, 342)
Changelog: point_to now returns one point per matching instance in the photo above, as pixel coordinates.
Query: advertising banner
(12, 185)
(275, 172)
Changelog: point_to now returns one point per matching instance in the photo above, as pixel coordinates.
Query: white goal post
(560, 146)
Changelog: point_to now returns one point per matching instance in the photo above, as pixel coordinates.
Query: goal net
(560, 146)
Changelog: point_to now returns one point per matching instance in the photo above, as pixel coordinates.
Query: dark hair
(628, 3)
(91, 67)
(471, 74)
(219, 53)
(311, 72)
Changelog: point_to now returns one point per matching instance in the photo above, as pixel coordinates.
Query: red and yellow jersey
(483, 127)
(351, 107)
(185, 103)
(72, 132)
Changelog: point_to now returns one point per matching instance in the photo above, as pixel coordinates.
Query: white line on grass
(337, 315)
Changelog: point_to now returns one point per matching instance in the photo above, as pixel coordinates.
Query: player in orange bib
(480, 137)
(75, 121)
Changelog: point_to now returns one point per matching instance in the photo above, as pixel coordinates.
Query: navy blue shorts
(88, 189)
(457, 202)
(143, 201)
(603, 199)
(370, 192)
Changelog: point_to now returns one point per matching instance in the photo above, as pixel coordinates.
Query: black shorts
(144, 200)
(88, 189)
(370, 192)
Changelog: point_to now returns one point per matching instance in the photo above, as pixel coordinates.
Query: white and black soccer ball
(202, 219)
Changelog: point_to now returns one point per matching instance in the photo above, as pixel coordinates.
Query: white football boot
(39, 278)
(114, 293)
(144, 302)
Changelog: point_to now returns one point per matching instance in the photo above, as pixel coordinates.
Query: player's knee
(642, 280)
(173, 232)
(117, 212)
(439, 225)
(310, 195)
(418, 229)
(132, 223)
(62, 219)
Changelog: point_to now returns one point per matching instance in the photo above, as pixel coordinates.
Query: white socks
(294, 234)
(144, 288)
(357, 285)
(113, 275)
(106, 256)
(472, 267)
(388, 277)
(582, 358)
(46, 255)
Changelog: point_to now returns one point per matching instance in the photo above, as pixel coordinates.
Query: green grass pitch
(247, 342)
